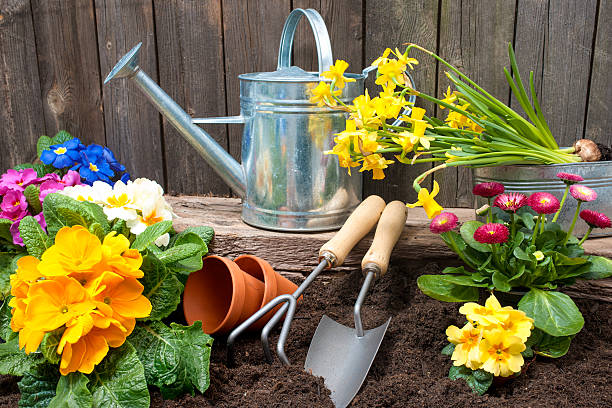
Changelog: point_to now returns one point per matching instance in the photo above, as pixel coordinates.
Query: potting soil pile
(409, 370)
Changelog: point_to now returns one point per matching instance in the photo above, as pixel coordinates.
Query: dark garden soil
(409, 370)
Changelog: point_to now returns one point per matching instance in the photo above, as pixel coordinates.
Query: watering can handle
(319, 30)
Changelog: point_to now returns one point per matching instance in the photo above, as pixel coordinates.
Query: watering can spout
(222, 162)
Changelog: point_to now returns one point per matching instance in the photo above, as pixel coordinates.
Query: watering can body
(286, 181)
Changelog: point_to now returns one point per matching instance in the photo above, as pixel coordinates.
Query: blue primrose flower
(125, 177)
(62, 155)
(112, 161)
(93, 165)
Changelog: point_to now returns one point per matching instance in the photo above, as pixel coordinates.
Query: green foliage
(34, 237)
(32, 195)
(14, 361)
(478, 380)
(44, 142)
(446, 289)
(63, 211)
(206, 233)
(553, 312)
(180, 252)
(119, 380)
(61, 137)
(38, 386)
(448, 349)
(175, 358)
(5, 273)
(5, 321)
(49, 344)
(161, 287)
(467, 233)
(599, 267)
(5, 232)
(72, 392)
(149, 235)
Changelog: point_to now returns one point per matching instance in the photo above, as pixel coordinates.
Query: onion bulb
(587, 150)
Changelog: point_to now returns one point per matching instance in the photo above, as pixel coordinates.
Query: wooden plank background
(54, 55)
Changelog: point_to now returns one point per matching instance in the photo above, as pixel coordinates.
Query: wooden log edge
(295, 254)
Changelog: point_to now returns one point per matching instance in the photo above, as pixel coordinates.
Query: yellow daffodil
(426, 200)
(368, 143)
(382, 59)
(323, 95)
(490, 314)
(501, 353)
(363, 111)
(466, 341)
(405, 140)
(387, 105)
(418, 134)
(391, 73)
(336, 73)
(376, 163)
(75, 251)
(404, 60)
(449, 97)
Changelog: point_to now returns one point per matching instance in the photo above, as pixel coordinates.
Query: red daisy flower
(569, 178)
(543, 203)
(510, 201)
(582, 193)
(488, 189)
(595, 219)
(492, 233)
(443, 222)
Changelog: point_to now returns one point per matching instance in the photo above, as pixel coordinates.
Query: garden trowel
(343, 355)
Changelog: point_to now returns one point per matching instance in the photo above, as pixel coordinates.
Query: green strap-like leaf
(119, 380)
(35, 239)
(553, 312)
(149, 235)
(72, 392)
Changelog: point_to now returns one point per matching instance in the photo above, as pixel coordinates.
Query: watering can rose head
(478, 130)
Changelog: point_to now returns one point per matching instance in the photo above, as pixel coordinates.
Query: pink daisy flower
(569, 178)
(488, 189)
(492, 233)
(510, 202)
(17, 180)
(595, 219)
(443, 222)
(582, 193)
(543, 203)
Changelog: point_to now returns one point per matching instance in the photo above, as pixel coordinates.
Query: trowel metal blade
(342, 358)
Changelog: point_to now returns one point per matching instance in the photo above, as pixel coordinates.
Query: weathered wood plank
(296, 254)
(474, 37)
(252, 33)
(190, 55)
(390, 24)
(21, 112)
(69, 69)
(598, 123)
(133, 126)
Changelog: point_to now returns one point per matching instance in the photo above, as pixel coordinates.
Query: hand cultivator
(331, 254)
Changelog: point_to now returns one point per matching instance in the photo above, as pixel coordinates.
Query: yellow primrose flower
(426, 200)
(119, 258)
(75, 251)
(336, 73)
(491, 314)
(517, 324)
(376, 163)
(323, 95)
(500, 353)
(466, 341)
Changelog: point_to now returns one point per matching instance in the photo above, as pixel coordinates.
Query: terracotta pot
(275, 284)
(225, 293)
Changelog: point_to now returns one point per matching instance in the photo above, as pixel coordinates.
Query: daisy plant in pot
(523, 257)
(91, 270)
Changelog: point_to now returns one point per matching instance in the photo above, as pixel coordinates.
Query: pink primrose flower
(569, 178)
(582, 193)
(17, 180)
(543, 203)
(491, 233)
(13, 203)
(510, 202)
(443, 222)
(595, 219)
(488, 189)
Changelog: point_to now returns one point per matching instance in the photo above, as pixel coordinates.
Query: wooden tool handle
(358, 224)
(388, 231)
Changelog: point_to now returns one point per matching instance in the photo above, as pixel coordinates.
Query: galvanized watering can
(285, 180)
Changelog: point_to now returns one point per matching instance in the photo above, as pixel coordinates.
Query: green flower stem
(512, 224)
(585, 235)
(571, 228)
(455, 248)
(536, 228)
(489, 211)
(567, 187)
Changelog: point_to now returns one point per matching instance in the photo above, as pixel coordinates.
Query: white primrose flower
(80, 192)
(149, 200)
(117, 201)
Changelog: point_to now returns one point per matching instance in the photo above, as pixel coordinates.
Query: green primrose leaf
(180, 252)
(63, 211)
(61, 137)
(38, 386)
(35, 239)
(206, 233)
(448, 349)
(553, 312)
(72, 392)
(149, 235)
(5, 275)
(442, 288)
(43, 143)
(32, 195)
(14, 361)
(119, 380)
(467, 233)
(175, 358)
(49, 344)
(527, 219)
(161, 287)
(599, 268)
(552, 346)
(5, 321)
(5, 232)
(478, 380)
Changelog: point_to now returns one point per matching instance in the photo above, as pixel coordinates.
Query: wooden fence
(54, 55)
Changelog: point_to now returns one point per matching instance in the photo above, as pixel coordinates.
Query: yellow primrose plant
(492, 343)
(85, 317)
(478, 129)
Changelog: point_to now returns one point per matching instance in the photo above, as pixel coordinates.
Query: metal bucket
(529, 179)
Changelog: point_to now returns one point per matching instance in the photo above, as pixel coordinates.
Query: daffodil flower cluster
(139, 203)
(478, 130)
(82, 290)
(493, 338)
